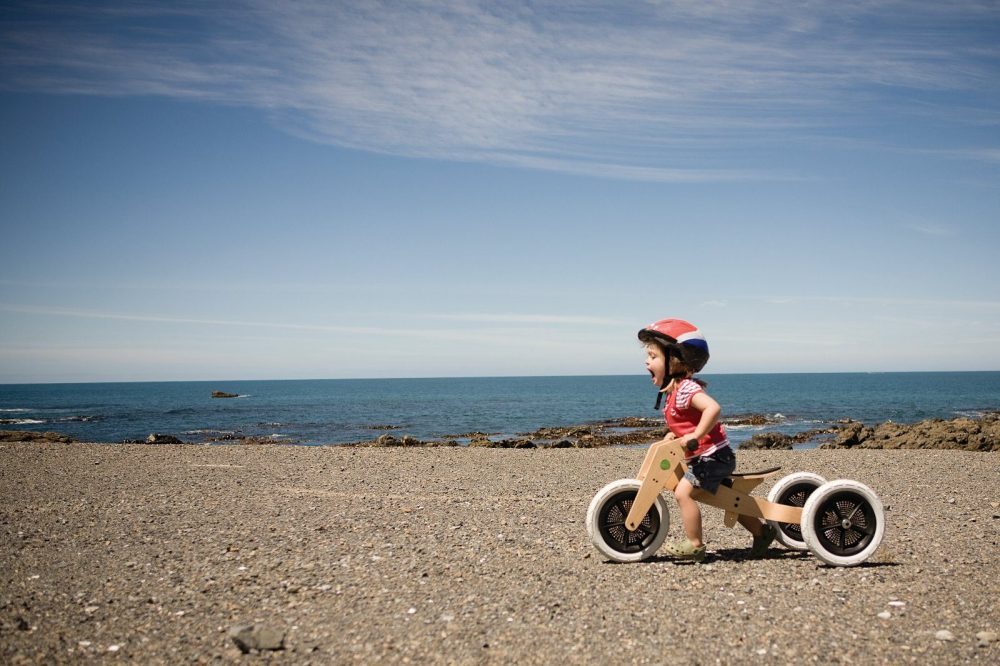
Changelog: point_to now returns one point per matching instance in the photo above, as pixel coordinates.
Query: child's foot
(685, 550)
(763, 540)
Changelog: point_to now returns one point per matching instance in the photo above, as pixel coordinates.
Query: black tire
(843, 523)
(793, 490)
(606, 523)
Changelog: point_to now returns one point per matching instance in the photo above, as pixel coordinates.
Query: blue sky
(250, 189)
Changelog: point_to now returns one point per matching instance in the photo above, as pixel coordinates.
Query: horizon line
(446, 377)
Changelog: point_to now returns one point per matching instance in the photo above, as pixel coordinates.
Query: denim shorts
(707, 472)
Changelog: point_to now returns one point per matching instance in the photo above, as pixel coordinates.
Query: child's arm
(710, 411)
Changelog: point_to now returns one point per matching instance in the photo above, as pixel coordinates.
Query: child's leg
(763, 535)
(753, 525)
(690, 512)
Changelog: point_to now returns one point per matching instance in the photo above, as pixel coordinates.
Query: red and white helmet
(679, 336)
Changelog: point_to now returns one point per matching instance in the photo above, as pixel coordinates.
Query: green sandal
(685, 550)
(761, 542)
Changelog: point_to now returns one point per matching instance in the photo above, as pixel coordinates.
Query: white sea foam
(21, 422)
(15, 409)
(972, 413)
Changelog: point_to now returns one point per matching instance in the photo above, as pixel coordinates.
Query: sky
(259, 190)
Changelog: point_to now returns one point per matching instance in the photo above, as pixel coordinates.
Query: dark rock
(155, 438)
(636, 422)
(387, 440)
(257, 637)
(519, 443)
(406, 440)
(223, 394)
(748, 419)
(32, 436)
(768, 440)
(777, 440)
(851, 434)
(473, 435)
(981, 434)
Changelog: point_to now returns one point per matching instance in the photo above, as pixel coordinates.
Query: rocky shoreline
(964, 434)
(968, 434)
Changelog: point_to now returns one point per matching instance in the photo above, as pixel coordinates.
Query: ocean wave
(973, 413)
(14, 410)
(80, 419)
(21, 422)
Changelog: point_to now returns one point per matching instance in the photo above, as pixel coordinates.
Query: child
(676, 350)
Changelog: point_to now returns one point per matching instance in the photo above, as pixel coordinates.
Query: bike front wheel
(606, 523)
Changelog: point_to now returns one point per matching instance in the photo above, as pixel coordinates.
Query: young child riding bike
(675, 351)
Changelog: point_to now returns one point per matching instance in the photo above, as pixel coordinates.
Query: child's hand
(689, 442)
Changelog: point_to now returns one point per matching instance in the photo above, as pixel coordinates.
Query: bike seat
(761, 473)
(749, 480)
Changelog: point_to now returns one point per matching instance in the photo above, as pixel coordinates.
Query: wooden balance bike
(840, 522)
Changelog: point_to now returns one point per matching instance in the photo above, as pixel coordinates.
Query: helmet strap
(668, 351)
(661, 392)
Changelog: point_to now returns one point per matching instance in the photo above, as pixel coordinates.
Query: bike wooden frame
(664, 467)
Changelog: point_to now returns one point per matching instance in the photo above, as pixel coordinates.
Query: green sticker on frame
(665, 464)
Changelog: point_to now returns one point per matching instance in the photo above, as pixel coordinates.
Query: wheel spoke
(614, 530)
(867, 529)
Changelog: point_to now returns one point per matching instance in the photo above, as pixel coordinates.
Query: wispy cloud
(934, 230)
(537, 327)
(982, 154)
(927, 304)
(569, 320)
(639, 90)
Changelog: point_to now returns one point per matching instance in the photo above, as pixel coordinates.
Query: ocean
(350, 410)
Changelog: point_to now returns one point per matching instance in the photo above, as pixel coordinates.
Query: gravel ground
(155, 553)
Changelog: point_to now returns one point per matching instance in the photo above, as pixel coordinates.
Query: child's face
(656, 363)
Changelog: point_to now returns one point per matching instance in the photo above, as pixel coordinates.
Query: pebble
(885, 615)
(256, 637)
(986, 638)
(944, 635)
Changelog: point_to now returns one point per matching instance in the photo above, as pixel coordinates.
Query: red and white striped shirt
(682, 419)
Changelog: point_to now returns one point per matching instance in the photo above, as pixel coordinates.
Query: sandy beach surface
(157, 554)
